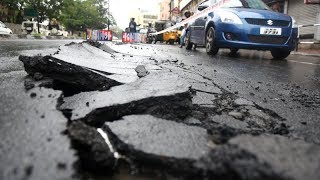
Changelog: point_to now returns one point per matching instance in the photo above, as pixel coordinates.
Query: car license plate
(270, 31)
(29, 28)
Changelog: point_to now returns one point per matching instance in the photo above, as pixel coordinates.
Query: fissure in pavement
(151, 119)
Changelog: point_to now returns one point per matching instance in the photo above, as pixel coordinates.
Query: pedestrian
(183, 35)
(133, 26)
(275, 6)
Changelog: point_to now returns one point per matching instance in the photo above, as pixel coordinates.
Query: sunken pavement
(152, 115)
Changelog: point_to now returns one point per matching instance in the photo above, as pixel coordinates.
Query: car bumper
(244, 36)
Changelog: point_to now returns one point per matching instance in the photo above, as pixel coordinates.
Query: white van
(31, 27)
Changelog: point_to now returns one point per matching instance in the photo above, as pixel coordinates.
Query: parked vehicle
(169, 37)
(55, 29)
(31, 27)
(57, 32)
(4, 29)
(243, 24)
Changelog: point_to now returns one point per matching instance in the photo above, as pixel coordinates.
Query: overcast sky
(121, 9)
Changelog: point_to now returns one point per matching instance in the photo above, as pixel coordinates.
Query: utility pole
(38, 16)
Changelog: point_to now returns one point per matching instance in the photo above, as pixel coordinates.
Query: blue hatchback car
(243, 24)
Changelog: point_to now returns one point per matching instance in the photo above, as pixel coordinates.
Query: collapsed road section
(161, 94)
(157, 115)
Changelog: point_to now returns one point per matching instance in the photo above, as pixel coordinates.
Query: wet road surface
(249, 93)
(32, 142)
(288, 87)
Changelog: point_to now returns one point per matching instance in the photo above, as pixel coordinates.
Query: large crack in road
(157, 114)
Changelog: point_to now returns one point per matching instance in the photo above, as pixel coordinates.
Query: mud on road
(130, 108)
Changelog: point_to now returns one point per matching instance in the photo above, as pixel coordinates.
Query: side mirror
(202, 7)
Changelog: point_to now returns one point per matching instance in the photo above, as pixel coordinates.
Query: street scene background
(90, 105)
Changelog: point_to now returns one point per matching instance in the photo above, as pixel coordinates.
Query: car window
(205, 4)
(253, 4)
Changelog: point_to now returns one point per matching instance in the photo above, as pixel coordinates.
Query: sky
(121, 9)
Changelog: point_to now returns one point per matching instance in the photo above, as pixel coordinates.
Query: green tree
(81, 14)
(47, 9)
(15, 9)
(12, 4)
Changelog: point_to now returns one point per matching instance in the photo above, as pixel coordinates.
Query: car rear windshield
(252, 4)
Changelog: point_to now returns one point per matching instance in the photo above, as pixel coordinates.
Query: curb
(304, 54)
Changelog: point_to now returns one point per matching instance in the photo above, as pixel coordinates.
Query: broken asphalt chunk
(80, 77)
(157, 142)
(161, 94)
(92, 149)
(141, 71)
(116, 67)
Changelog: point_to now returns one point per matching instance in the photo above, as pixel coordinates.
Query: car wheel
(280, 54)
(187, 41)
(211, 48)
(171, 41)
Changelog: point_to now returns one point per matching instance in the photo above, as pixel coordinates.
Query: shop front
(306, 13)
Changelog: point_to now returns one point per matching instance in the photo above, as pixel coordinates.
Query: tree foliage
(46, 8)
(82, 14)
(13, 4)
(73, 14)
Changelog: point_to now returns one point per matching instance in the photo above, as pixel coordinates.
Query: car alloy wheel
(210, 42)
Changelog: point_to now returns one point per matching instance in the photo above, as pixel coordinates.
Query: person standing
(276, 6)
(133, 26)
(183, 35)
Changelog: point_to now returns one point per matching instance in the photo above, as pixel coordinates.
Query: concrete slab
(160, 137)
(86, 55)
(161, 94)
(81, 77)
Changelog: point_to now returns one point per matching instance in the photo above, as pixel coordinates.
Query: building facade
(164, 13)
(189, 5)
(144, 17)
(305, 14)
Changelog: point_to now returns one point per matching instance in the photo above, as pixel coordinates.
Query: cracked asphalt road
(255, 111)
